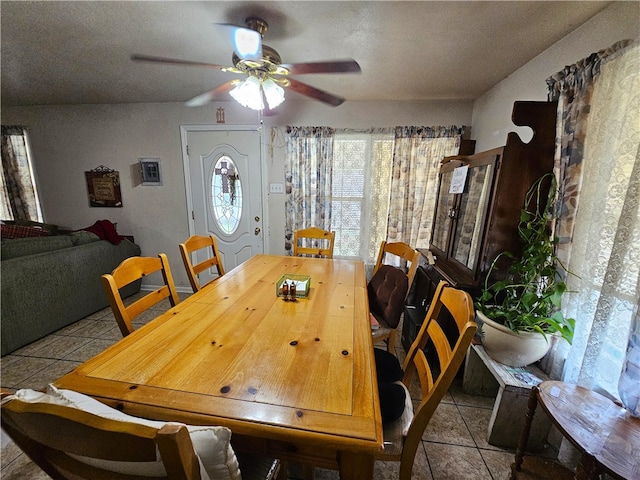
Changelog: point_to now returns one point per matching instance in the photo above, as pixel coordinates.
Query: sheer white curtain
(361, 183)
(605, 243)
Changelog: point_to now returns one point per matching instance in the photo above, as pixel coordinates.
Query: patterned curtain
(416, 162)
(19, 199)
(598, 163)
(308, 172)
(572, 88)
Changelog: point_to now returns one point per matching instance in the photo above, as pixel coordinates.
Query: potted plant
(524, 307)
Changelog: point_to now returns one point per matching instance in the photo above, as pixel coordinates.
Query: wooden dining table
(292, 380)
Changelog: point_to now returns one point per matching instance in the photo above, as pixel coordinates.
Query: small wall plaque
(103, 185)
(151, 172)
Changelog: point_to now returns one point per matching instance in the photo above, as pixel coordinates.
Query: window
(226, 190)
(18, 188)
(343, 180)
(360, 192)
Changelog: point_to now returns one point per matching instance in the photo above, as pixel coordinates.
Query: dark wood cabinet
(471, 227)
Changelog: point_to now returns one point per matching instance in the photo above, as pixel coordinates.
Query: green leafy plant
(528, 299)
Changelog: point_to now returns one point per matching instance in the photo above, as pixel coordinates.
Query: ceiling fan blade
(336, 66)
(176, 61)
(315, 93)
(211, 95)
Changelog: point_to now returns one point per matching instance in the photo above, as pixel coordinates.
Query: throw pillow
(82, 237)
(395, 401)
(212, 444)
(388, 367)
(106, 231)
(22, 231)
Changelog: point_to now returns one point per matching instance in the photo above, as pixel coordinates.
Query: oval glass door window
(226, 195)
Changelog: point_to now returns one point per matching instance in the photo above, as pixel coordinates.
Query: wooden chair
(400, 441)
(193, 244)
(402, 250)
(385, 332)
(130, 270)
(53, 436)
(315, 236)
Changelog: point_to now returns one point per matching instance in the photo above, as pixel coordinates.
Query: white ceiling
(74, 52)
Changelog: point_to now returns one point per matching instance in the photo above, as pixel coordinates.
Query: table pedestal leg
(356, 466)
(587, 469)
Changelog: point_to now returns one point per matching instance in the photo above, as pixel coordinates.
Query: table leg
(524, 435)
(587, 469)
(356, 466)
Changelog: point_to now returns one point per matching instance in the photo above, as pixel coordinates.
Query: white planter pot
(510, 348)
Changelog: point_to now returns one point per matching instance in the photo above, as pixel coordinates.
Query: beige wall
(68, 140)
(492, 111)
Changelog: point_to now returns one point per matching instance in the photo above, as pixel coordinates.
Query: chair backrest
(130, 270)
(193, 244)
(51, 435)
(321, 242)
(402, 250)
(435, 380)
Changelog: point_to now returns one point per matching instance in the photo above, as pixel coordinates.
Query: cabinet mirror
(470, 214)
(444, 206)
(460, 218)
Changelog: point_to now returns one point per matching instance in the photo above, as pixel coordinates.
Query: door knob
(256, 231)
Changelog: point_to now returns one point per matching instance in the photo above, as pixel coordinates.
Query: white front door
(223, 168)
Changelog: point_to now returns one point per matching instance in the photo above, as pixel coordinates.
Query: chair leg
(282, 471)
(308, 473)
(391, 342)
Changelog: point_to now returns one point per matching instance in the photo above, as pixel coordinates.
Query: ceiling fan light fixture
(249, 93)
(273, 92)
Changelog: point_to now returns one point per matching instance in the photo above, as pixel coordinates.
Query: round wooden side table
(605, 434)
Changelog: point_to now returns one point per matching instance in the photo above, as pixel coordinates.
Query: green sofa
(50, 282)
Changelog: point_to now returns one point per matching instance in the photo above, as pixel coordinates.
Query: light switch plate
(276, 188)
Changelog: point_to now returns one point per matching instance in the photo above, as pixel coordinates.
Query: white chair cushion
(407, 416)
(212, 444)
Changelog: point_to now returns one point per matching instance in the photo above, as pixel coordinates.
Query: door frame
(184, 131)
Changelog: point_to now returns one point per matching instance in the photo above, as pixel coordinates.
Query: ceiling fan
(265, 74)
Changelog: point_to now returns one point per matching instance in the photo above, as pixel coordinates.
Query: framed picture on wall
(103, 185)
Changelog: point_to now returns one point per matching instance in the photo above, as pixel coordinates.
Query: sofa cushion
(20, 247)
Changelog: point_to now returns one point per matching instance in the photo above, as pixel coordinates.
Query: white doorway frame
(184, 131)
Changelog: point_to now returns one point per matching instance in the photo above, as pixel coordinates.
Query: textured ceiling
(58, 52)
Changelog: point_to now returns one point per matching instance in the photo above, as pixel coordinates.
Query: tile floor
(454, 444)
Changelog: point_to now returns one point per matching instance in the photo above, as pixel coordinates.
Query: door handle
(256, 231)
